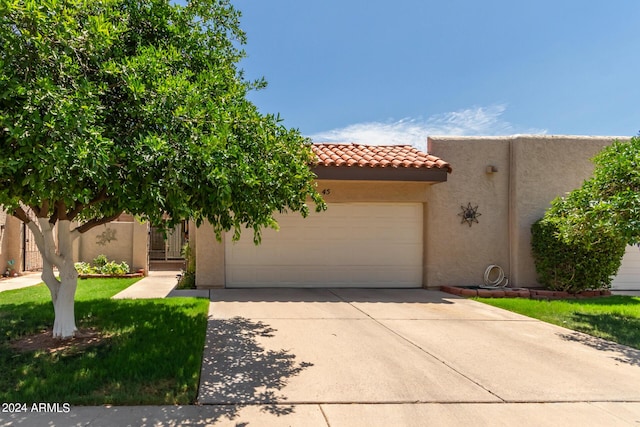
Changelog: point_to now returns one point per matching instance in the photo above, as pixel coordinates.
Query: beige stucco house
(399, 218)
(396, 217)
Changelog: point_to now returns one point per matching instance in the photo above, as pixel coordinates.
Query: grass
(615, 318)
(152, 353)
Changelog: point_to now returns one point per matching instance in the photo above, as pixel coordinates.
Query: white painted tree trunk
(63, 290)
(64, 325)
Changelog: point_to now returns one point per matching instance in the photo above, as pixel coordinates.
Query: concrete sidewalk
(319, 357)
(25, 280)
(158, 284)
(554, 414)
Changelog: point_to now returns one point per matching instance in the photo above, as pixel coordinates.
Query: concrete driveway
(329, 357)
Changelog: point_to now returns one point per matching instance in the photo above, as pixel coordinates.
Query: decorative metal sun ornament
(469, 214)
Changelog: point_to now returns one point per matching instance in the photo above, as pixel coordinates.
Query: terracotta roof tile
(376, 156)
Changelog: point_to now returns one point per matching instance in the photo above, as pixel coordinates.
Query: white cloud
(479, 121)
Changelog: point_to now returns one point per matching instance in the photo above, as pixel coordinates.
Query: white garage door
(349, 245)
(628, 277)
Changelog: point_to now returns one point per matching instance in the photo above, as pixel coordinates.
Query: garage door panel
(234, 251)
(359, 245)
(413, 257)
(628, 277)
(341, 276)
(399, 235)
(387, 259)
(300, 254)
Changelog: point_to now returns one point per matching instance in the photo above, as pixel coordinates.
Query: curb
(522, 293)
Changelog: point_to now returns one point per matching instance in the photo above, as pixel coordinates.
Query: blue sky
(374, 71)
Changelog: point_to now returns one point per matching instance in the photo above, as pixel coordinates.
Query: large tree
(580, 241)
(134, 105)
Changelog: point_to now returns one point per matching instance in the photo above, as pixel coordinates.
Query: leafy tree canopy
(135, 105)
(138, 105)
(580, 241)
(607, 206)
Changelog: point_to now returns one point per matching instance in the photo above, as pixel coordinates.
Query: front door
(167, 247)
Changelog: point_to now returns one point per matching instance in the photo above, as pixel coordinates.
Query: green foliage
(573, 266)
(101, 265)
(615, 318)
(152, 353)
(84, 268)
(132, 105)
(100, 261)
(188, 278)
(580, 241)
(24, 322)
(608, 204)
(114, 269)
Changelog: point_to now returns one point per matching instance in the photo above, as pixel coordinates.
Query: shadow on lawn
(607, 301)
(25, 318)
(238, 371)
(622, 330)
(152, 354)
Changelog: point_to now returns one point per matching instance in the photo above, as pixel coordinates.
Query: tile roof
(376, 156)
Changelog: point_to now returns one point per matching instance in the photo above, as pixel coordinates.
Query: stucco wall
(209, 257)
(545, 167)
(119, 241)
(10, 247)
(456, 252)
(531, 171)
(334, 191)
(4, 242)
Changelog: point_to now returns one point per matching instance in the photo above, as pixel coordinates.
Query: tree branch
(35, 209)
(95, 222)
(21, 215)
(75, 211)
(54, 216)
(43, 235)
(60, 211)
(102, 196)
(44, 209)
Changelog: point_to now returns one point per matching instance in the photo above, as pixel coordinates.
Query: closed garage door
(349, 245)
(628, 277)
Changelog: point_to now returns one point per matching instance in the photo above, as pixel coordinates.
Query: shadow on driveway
(238, 371)
(351, 295)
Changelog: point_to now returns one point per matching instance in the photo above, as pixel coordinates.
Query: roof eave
(355, 173)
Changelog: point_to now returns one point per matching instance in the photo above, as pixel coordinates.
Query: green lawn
(152, 354)
(615, 318)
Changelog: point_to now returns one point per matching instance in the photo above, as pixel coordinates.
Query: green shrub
(84, 268)
(101, 265)
(573, 266)
(580, 241)
(100, 261)
(114, 269)
(188, 278)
